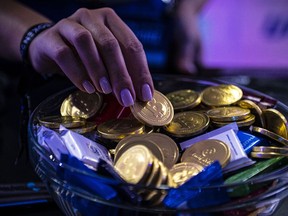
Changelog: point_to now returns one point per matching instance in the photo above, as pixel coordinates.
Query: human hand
(96, 50)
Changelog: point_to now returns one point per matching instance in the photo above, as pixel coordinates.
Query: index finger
(134, 56)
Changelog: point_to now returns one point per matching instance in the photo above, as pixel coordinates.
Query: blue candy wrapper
(88, 181)
(248, 141)
(40, 138)
(191, 194)
(83, 148)
(126, 191)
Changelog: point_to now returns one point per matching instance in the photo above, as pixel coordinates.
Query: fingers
(112, 56)
(134, 56)
(97, 51)
(82, 41)
(67, 60)
(122, 54)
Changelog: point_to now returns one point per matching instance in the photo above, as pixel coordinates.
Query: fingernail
(88, 87)
(126, 98)
(146, 92)
(105, 85)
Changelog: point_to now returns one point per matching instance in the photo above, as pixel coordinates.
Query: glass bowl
(73, 199)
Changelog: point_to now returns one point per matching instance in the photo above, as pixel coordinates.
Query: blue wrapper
(88, 181)
(191, 194)
(248, 141)
(127, 192)
(83, 148)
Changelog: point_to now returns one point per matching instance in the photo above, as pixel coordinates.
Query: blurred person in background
(247, 37)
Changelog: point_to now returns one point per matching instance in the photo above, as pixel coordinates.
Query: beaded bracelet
(28, 37)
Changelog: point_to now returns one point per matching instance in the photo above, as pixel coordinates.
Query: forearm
(15, 20)
(187, 38)
(194, 6)
(191, 7)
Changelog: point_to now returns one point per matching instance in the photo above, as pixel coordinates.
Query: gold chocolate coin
(182, 172)
(267, 154)
(154, 179)
(183, 99)
(241, 123)
(276, 149)
(54, 122)
(135, 164)
(117, 129)
(132, 140)
(255, 110)
(207, 151)
(168, 147)
(188, 123)
(88, 127)
(166, 176)
(155, 196)
(270, 134)
(231, 113)
(275, 122)
(66, 106)
(81, 104)
(221, 95)
(157, 112)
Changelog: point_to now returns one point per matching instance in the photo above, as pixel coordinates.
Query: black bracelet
(28, 37)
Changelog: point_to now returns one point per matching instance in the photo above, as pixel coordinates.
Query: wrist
(29, 36)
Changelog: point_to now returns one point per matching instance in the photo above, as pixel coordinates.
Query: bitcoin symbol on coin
(158, 109)
(209, 151)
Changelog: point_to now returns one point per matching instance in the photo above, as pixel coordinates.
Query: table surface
(14, 162)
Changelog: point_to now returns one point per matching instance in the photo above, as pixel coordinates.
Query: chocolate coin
(157, 112)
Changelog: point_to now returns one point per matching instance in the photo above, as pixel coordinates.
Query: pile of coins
(81, 104)
(74, 123)
(162, 147)
(221, 116)
(269, 151)
(75, 111)
(138, 165)
(146, 151)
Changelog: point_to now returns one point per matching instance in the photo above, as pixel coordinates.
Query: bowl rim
(270, 177)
